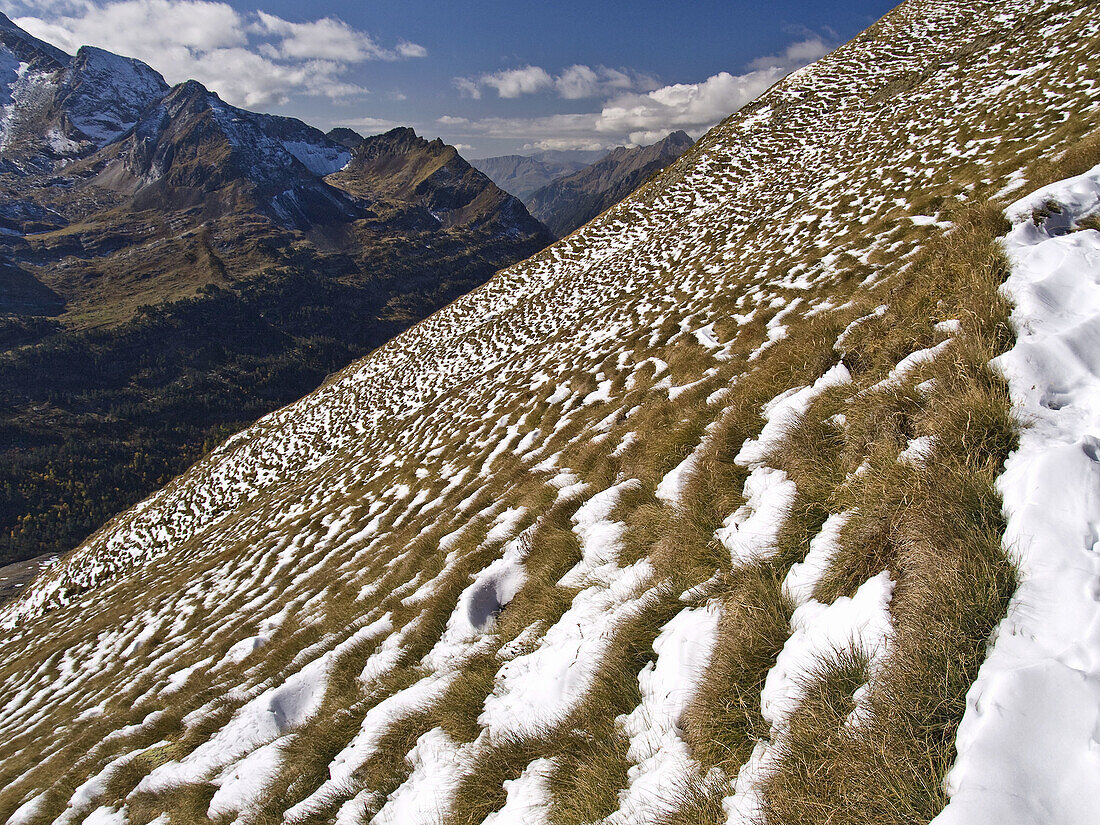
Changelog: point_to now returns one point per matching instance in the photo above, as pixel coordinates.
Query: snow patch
(1027, 744)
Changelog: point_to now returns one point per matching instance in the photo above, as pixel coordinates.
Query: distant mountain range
(566, 190)
(173, 267)
(573, 200)
(522, 175)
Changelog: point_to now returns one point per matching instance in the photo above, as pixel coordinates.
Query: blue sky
(492, 77)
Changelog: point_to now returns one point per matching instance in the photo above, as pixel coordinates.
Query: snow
(803, 576)
(84, 796)
(28, 811)
(916, 451)
(671, 487)
(106, 816)
(376, 723)
(602, 393)
(245, 647)
(436, 771)
(661, 759)
(861, 622)
(105, 94)
(478, 605)
(528, 799)
(321, 157)
(706, 337)
(537, 690)
(241, 785)
(1027, 745)
(505, 524)
(782, 414)
(343, 492)
(745, 805)
(750, 532)
(818, 631)
(274, 712)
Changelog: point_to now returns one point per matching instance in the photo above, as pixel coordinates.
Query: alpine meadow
(766, 497)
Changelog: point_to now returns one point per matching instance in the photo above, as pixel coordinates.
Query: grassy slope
(910, 120)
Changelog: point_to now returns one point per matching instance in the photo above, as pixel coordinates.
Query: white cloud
(582, 81)
(249, 59)
(407, 49)
(565, 144)
(633, 117)
(515, 82)
(797, 54)
(468, 88)
(327, 38)
(683, 105)
(140, 27)
(698, 106)
(574, 83)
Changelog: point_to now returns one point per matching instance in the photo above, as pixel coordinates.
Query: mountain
(714, 511)
(56, 107)
(401, 167)
(523, 174)
(574, 199)
(173, 267)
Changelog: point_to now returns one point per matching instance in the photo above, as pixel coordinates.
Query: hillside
(714, 511)
(523, 174)
(173, 267)
(572, 200)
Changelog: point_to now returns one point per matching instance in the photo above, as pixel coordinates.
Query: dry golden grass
(936, 526)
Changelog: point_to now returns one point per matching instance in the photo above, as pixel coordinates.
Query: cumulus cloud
(573, 83)
(683, 105)
(694, 106)
(515, 82)
(796, 54)
(565, 145)
(628, 115)
(327, 38)
(249, 59)
(407, 49)
(468, 88)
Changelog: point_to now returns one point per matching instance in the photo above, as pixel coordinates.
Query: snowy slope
(58, 106)
(413, 583)
(103, 94)
(1027, 746)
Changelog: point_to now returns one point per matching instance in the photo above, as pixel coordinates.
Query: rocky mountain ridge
(127, 206)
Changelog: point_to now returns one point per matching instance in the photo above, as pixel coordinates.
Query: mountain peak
(105, 94)
(28, 48)
(190, 90)
(345, 137)
(401, 165)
